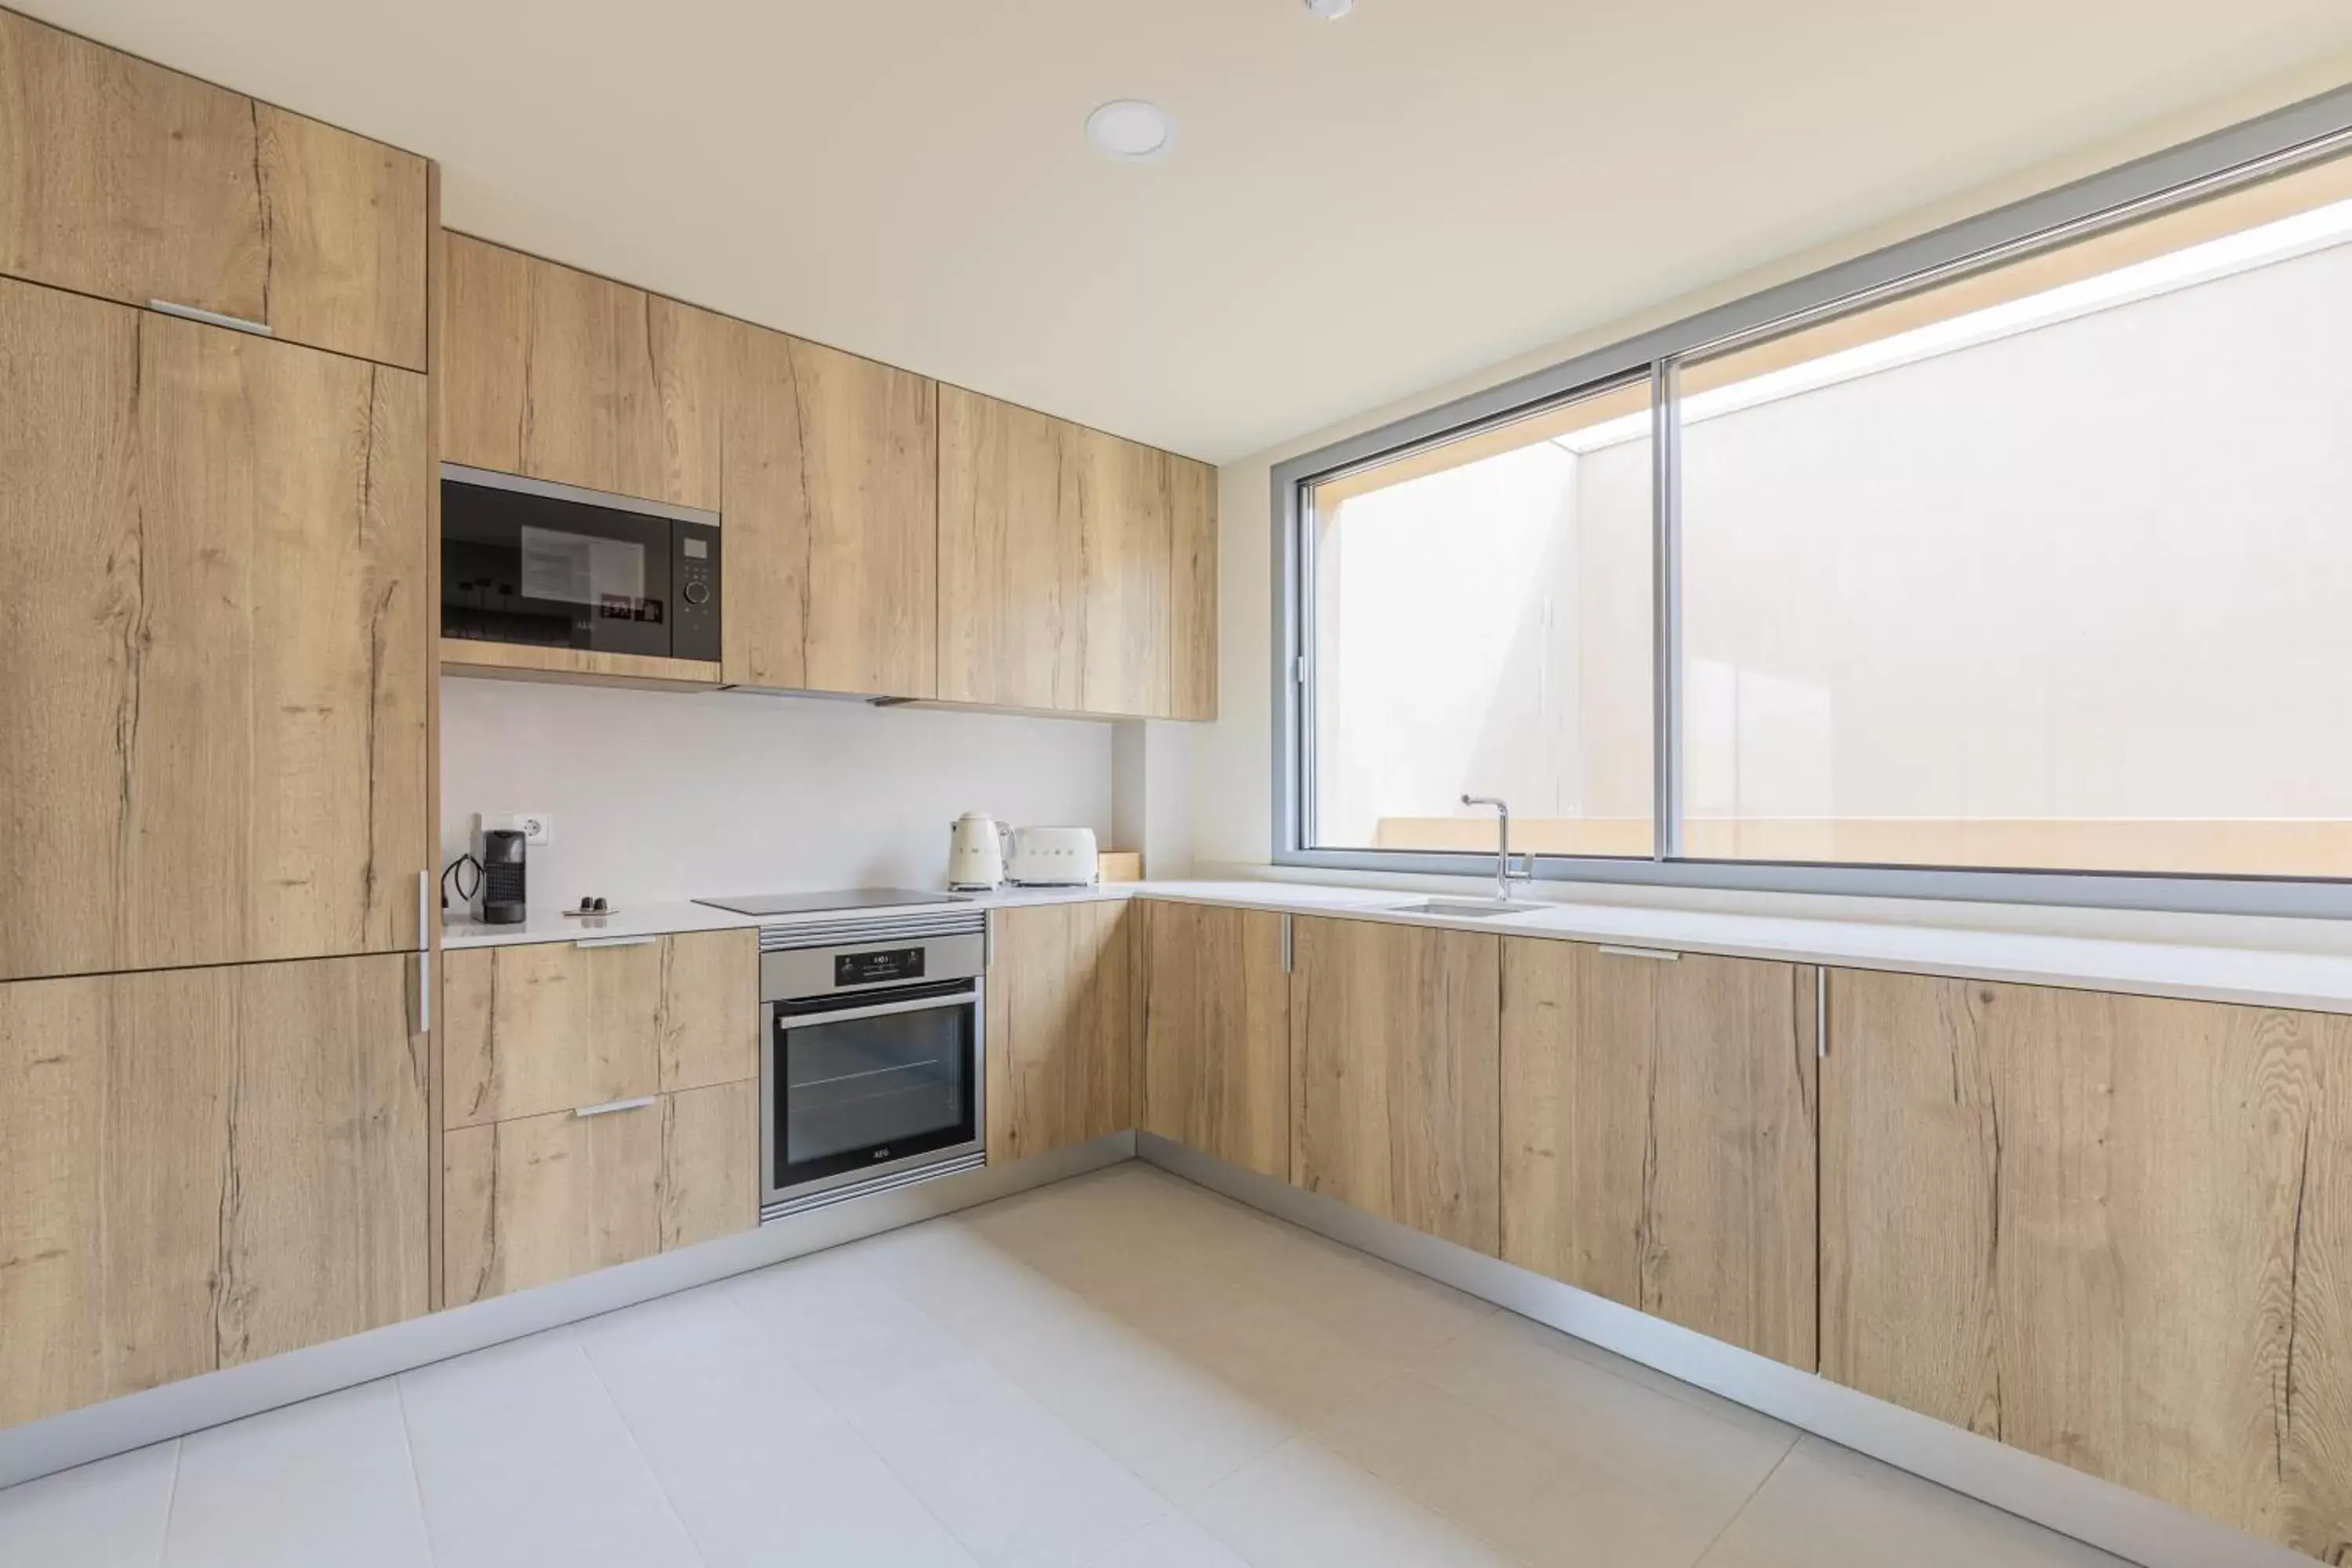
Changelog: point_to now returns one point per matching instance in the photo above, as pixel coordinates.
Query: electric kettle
(976, 852)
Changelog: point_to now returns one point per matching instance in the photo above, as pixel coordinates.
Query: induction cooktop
(820, 903)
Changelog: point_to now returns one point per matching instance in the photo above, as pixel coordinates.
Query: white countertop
(2268, 977)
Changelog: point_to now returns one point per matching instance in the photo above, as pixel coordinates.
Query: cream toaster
(1052, 857)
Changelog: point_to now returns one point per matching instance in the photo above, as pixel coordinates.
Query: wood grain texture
(2110, 1230)
(832, 511)
(200, 1167)
(1060, 1026)
(710, 1163)
(124, 180)
(1123, 494)
(1192, 590)
(1216, 1032)
(709, 1018)
(583, 666)
(1394, 1047)
(559, 375)
(547, 1197)
(1012, 625)
(436, 339)
(548, 1026)
(213, 643)
(1658, 1136)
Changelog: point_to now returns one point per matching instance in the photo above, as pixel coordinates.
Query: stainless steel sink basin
(1473, 908)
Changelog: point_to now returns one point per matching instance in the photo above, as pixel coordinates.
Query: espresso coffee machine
(502, 877)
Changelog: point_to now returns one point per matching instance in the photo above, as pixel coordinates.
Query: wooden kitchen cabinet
(123, 180)
(216, 649)
(555, 373)
(202, 1167)
(543, 1198)
(1394, 1047)
(1061, 1027)
(539, 1027)
(1658, 1115)
(832, 508)
(1216, 1032)
(1076, 570)
(2116, 1231)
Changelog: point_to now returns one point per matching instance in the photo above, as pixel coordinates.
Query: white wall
(1230, 807)
(664, 795)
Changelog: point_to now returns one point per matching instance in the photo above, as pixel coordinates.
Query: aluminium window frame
(2300, 133)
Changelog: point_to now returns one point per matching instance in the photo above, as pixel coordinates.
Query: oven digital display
(865, 968)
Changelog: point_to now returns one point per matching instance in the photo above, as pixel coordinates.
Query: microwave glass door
(522, 568)
(864, 1086)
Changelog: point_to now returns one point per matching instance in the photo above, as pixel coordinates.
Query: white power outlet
(536, 826)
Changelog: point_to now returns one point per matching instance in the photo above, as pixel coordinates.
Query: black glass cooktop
(819, 903)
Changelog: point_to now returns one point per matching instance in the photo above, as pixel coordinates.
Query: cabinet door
(1658, 1135)
(1125, 503)
(556, 1025)
(1393, 1051)
(201, 1167)
(558, 375)
(1216, 1032)
(1011, 557)
(1061, 1028)
(2112, 1230)
(1192, 590)
(124, 180)
(832, 505)
(214, 646)
(547, 1197)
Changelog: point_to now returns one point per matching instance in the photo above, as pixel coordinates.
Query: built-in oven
(871, 1056)
(526, 561)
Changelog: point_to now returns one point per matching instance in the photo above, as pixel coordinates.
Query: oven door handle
(879, 1009)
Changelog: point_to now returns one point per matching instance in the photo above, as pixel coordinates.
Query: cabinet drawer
(551, 1026)
(127, 181)
(542, 1198)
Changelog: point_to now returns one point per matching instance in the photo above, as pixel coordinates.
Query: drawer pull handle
(1659, 954)
(613, 1105)
(210, 318)
(616, 942)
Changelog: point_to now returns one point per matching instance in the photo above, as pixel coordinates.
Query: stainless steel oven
(871, 1056)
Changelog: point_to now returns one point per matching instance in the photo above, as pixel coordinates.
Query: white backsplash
(660, 796)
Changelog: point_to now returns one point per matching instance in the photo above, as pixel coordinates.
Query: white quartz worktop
(2265, 976)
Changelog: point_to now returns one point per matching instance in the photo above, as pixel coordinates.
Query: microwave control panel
(694, 574)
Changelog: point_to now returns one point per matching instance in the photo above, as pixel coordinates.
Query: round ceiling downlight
(1130, 129)
(1330, 10)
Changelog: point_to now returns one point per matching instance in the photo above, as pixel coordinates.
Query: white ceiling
(1352, 211)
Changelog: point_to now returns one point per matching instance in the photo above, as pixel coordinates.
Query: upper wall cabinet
(121, 179)
(559, 375)
(214, 650)
(1077, 571)
(832, 508)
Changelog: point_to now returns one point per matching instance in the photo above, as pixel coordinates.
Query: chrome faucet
(1504, 875)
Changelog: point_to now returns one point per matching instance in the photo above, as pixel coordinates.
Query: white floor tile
(761, 1467)
(845, 1331)
(1016, 1485)
(1828, 1507)
(522, 1459)
(106, 1515)
(1304, 1507)
(1174, 1542)
(327, 1481)
(1289, 1363)
(1371, 1300)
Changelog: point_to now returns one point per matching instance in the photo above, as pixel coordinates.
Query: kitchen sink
(1474, 908)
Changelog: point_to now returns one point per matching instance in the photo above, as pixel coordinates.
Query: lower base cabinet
(1215, 1071)
(2116, 1231)
(542, 1198)
(203, 1167)
(1658, 1135)
(1061, 1027)
(1393, 1091)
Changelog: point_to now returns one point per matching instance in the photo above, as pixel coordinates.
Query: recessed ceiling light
(1330, 10)
(1131, 129)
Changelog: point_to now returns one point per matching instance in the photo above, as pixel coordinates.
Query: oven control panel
(876, 968)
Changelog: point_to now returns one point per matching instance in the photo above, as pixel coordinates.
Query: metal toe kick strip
(790, 1206)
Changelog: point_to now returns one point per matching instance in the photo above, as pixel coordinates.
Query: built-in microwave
(525, 561)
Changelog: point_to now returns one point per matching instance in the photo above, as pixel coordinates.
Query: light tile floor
(1122, 1370)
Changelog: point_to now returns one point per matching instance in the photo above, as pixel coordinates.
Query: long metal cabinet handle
(617, 941)
(1659, 954)
(1286, 942)
(1821, 1011)
(209, 318)
(611, 1105)
(424, 952)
